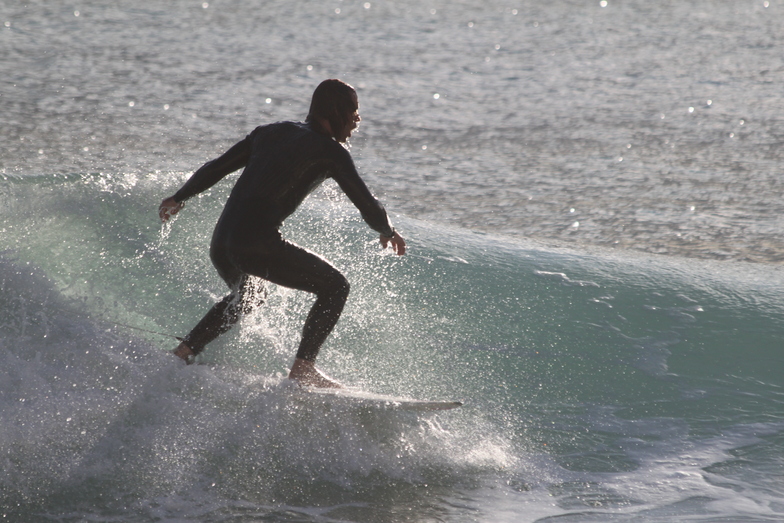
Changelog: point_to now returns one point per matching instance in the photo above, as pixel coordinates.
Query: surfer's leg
(219, 319)
(301, 269)
(244, 298)
(289, 265)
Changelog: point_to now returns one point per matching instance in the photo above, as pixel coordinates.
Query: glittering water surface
(632, 125)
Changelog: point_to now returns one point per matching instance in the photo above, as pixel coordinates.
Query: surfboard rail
(371, 399)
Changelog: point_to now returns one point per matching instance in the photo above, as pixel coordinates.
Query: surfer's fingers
(399, 245)
(169, 208)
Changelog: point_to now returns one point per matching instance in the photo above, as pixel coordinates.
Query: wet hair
(332, 101)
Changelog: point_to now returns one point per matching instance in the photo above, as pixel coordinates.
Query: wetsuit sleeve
(371, 209)
(213, 171)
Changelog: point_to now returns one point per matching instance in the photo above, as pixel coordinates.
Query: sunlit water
(582, 185)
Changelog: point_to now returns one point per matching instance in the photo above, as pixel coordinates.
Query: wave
(597, 384)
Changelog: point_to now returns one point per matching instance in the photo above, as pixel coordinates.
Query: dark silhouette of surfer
(283, 163)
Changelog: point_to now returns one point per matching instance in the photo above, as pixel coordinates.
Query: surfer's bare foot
(306, 373)
(184, 353)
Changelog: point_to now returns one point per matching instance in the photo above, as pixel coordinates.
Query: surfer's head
(335, 109)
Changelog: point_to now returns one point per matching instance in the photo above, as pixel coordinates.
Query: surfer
(283, 163)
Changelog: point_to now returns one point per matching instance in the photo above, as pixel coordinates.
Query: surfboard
(347, 396)
(358, 398)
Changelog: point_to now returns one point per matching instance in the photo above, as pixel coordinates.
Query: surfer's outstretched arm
(208, 175)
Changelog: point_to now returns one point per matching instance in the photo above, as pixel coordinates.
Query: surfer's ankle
(184, 353)
(305, 373)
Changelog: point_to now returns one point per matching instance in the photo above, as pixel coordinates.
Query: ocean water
(592, 199)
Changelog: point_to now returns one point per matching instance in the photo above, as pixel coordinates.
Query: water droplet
(691, 109)
(436, 96)
(76, 14)
(424, 147)
(131, 104)
(366, 5)
(576, 225)
(710, 102)
(205, 5)
(165, 107)
(268, 100)
(470, 24)
(310, 68)
(337, 11)
(603, 3)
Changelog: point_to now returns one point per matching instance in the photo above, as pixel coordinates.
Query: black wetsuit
(284, 162)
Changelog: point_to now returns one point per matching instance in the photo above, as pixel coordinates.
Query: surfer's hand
(397, 241)
(169, 208)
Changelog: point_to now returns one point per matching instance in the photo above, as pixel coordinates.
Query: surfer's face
(352, 121)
